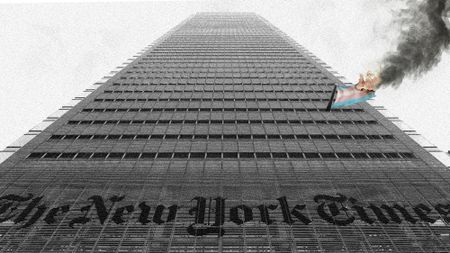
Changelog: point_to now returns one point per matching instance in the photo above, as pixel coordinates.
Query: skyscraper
(216, 139)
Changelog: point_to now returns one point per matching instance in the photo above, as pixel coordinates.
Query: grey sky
(51, 52)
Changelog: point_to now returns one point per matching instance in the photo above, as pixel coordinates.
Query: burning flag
(345, 95)
(424, 36)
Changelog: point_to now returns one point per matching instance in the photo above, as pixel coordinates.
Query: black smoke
(423, 37)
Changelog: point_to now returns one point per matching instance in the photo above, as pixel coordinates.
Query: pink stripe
(349, 91)
(345, 92)
(353, 95)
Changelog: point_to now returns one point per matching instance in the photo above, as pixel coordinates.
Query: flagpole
(331, 99)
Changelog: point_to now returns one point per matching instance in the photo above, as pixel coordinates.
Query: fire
(369, 82)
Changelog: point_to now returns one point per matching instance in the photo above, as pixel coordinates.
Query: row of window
(180, 38)
(167, 47)
(228, 70)
(227, 65)
(188, 33)
(229, 61)
(222, 53)
(200, 81)
(238, 85)
(242, 76)
(219, 44)
(243, 121)
(238, 57)
(230, 58)
(212, 90)
(258, 35)
(218, 155)
(221, 136)
(173, 44)
(229, 32)
(243, 31)
(220, 29)
(211, 99)
(162, 50)
(250, 50)
(243, 109)
(225, 71)
(221, 72)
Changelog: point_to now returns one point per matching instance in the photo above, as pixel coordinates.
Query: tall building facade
(216, 139)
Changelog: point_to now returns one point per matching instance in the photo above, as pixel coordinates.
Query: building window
(218, 155)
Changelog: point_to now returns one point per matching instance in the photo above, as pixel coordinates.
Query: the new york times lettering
(210, 215)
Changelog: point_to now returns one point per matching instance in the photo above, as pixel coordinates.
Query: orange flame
(369, 82)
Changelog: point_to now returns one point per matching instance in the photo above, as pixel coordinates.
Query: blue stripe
(343, 87)
(353, 101)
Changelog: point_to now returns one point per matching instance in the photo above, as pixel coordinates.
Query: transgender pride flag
(345, 95)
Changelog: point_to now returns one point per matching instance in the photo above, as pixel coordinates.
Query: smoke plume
(423, 38)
